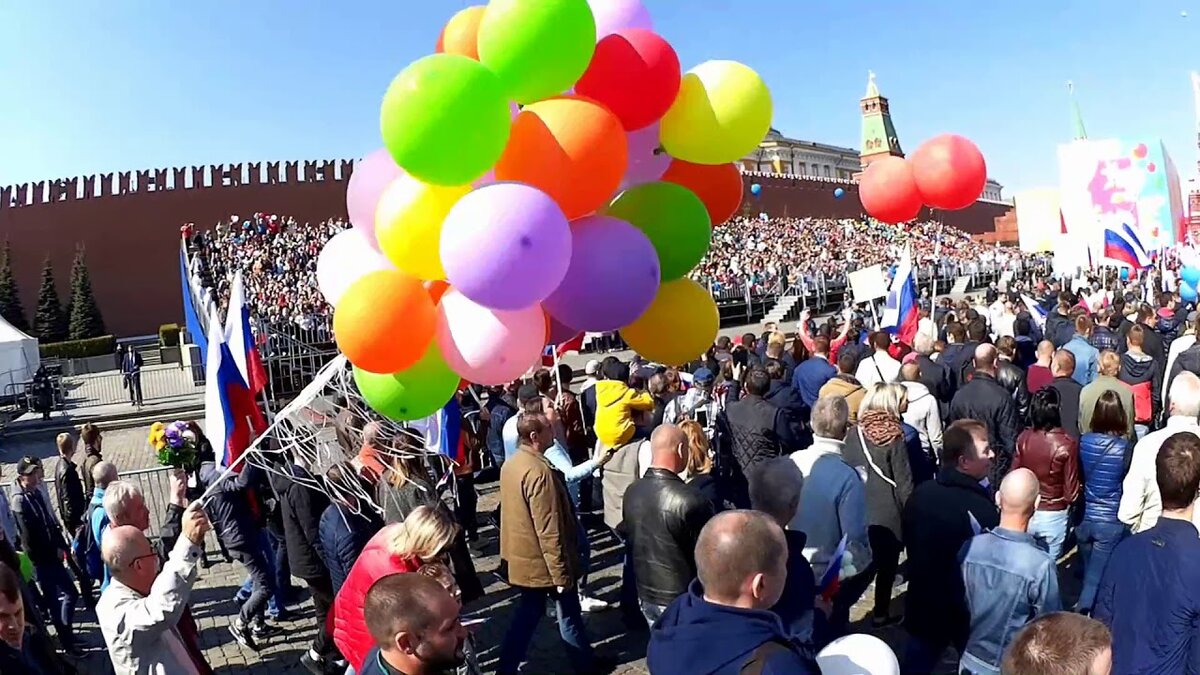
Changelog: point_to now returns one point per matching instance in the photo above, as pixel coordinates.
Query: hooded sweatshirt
(615, 403)
(698, 637)
(1144, 376)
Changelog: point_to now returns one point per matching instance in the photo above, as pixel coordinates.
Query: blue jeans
(60, 595)
(1049, 528)
(530, 608)
(630, 606)
(1141, 430)
(1096, 544)
(274, 603)
(257, 566)
(585, 554)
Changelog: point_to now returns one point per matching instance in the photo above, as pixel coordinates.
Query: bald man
(1009, 580)
(986, 400)
(721, 626)
(1069, 391)
(139, 611)
(663, 520)
(1039, 374)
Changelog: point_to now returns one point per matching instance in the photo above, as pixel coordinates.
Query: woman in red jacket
(425, 536)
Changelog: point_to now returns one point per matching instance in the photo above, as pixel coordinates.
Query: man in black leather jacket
(1011, 376)
(663, 520)
(984, 399)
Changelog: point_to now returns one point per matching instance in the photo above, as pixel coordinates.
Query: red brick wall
(130, 225)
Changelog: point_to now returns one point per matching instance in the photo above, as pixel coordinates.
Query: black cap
(27, 465)
(527, 392)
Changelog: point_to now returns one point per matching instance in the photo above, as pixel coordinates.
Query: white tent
(19, 358)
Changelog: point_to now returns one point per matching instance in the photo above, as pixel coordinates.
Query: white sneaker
(589, 604)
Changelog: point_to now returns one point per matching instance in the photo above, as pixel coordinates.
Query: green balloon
(538, 48)
(673, 218)
(410, 394)
(445, 119)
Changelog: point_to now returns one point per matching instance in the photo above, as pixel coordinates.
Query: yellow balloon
(721, 114)
(679, 325)
(408, 224)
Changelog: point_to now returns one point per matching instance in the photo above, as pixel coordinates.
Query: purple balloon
(559, 332)
(614, 15)
(506, 246)
(613, 277)
(367, 182)
(645, 165)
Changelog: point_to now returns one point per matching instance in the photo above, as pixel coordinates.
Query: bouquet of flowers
(174, 444)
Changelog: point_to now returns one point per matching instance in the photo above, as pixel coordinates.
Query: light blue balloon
(755, 189)
(1187, 292)
(839, 193)
(1124, 274)
(1191, 275)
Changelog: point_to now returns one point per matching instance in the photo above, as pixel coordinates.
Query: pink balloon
(489, 346)
(613, 276)
(614, 15)
(645, 165)
(370, 177)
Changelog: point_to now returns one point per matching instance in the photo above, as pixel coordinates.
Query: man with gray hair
(833, 506)
(775, 489)
(1141, 503)
(933, 374)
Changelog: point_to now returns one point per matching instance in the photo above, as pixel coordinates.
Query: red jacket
(349, 627)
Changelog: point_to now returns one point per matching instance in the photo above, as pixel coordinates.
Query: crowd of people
(277, 256)
(1025, 445)
(762, 251)
(278, 259)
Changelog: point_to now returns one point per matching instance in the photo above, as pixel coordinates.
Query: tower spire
(878, 133)
(1078, 132)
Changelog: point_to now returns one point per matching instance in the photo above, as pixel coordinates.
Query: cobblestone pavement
(214, 608)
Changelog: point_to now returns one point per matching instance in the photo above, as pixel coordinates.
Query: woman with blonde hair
(427, 535)
(876, 448)
(698, 473)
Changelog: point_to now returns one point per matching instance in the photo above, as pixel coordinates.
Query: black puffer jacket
(1187, 360)
(1011, 377)
(669, 516)
(302, 508)
(986, 400)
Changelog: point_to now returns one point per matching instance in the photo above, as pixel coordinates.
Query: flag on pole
(1123, 245)
(554, 352)
(900, 314)
(241, 339)
(831, 579)
(1035, 310)
(231, 416)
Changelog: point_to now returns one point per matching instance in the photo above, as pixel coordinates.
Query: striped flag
(832, 577)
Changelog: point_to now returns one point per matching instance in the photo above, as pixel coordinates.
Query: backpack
(1143, 406)
(85, 548)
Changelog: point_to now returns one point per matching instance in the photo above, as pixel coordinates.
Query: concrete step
(781, 308)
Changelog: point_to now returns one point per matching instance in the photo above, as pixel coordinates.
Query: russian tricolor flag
(231, 416)
(1122, 245)
(241, 339)
(900, 315)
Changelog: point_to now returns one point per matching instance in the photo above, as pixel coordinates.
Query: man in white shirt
(1141, 504)
(922, 412)
(140, 609)
(879, 367)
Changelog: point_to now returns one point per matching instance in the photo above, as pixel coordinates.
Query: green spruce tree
(50, 322)
(10, 298)
(85, 319)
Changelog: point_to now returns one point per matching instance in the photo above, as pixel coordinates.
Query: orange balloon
(569, 147)
(719, 186)
(459, 35)
(436, 289)
(385, 322)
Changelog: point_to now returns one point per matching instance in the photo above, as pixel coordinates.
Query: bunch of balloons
(548, 171)
(1189, 276)
(946, 172)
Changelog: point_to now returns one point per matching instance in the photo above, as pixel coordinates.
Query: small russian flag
(831, 580)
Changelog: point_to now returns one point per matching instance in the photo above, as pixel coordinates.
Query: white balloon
(858, 654)
(346, 258)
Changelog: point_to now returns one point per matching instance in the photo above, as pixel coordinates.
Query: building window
(828, 171)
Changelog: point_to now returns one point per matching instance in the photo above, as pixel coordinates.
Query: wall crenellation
(101, 186)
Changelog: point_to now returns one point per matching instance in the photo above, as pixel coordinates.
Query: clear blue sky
(133, 84)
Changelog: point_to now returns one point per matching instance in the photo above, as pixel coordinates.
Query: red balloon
(888, 192)
(949, 171)
(635, 73)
